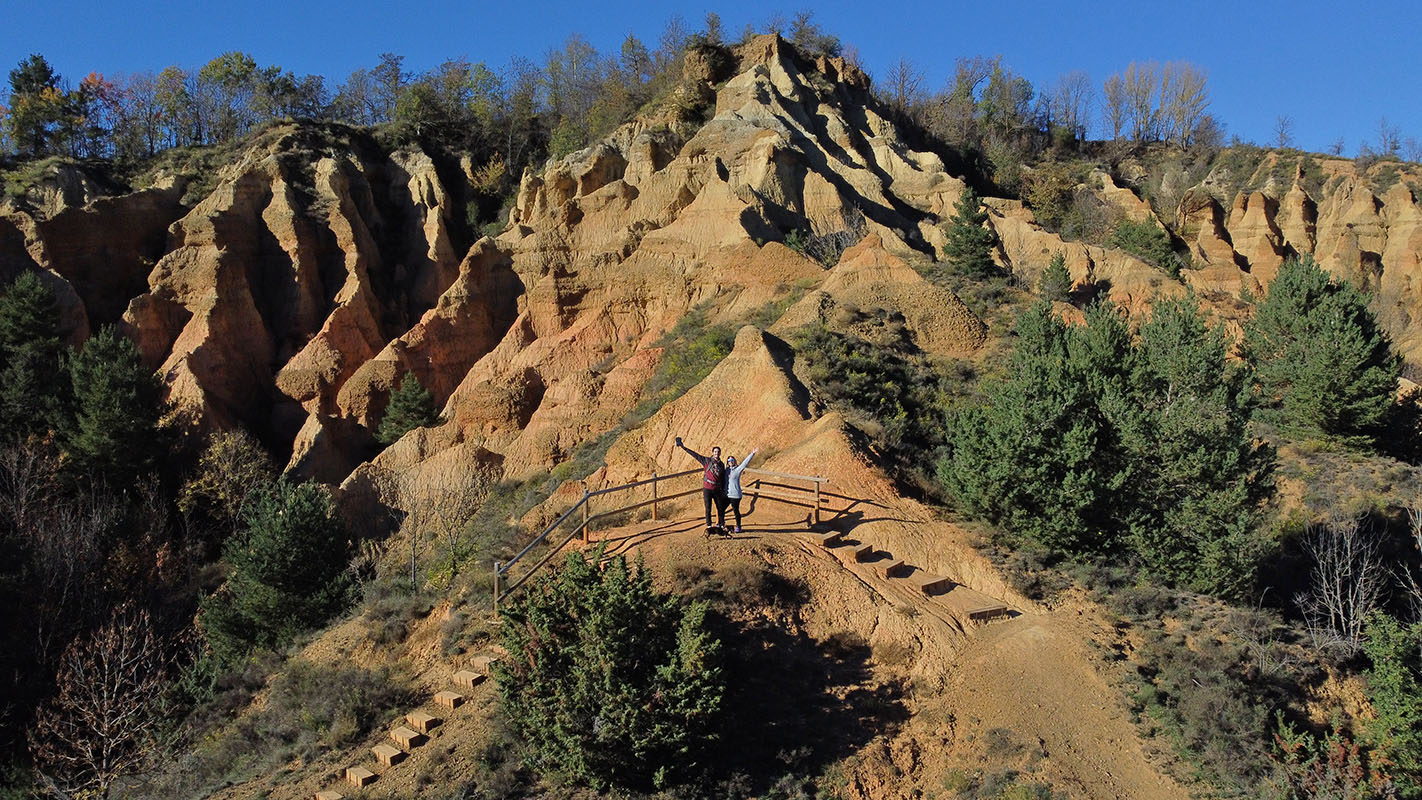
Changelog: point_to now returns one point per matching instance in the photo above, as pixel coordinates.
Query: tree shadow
(795, 705)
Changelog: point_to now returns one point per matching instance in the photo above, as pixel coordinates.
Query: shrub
(1395, 693)
(1331, 766)
(888, 389)
(611, 683)
(1148, 241)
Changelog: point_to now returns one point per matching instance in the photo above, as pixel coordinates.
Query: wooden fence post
(496, 585)
(817, 500)
(654, 495)
(586, 501)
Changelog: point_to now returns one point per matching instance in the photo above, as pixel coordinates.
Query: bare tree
(1283, 131)
(434, 504)
(1142, 105)
(1070, 102)
(1347, 583)
(1412, 149)
(1389, 138)
(903, 86)
(1336, 149)
(1114, 112)
(27, 473)
(1184, 96)
(1410, 580)
(98, 727)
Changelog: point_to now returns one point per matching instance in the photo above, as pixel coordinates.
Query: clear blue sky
(1333, 68)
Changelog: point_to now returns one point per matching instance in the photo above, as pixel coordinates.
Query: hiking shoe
(738, 529)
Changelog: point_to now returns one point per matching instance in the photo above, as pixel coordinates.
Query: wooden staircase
(416, 730)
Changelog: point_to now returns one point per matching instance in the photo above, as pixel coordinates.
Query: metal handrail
(502, 569)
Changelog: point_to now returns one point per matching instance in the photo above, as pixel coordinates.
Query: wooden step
(929, 583)
(450, 700)
(863, 552)
(387, 755)
(484, 665)
(422, 721)
(894, 569)
(407, 738)
(330, 795)
(360, 776)
(830, 539)
(988, 612)
(467, 679)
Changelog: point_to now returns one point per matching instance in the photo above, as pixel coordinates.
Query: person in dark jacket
(713, 482)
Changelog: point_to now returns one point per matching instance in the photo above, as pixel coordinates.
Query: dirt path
(1034, 674)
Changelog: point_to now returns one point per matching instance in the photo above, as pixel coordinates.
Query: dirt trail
(1032, 674)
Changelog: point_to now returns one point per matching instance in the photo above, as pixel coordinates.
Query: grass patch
(310, 710)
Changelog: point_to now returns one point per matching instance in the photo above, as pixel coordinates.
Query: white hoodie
(733, 477)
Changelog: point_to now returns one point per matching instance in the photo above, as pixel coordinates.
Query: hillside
(291, 291)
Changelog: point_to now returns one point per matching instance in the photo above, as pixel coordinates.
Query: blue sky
(1333, 69)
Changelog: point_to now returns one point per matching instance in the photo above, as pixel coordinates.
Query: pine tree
(113, 430)
(1055, 285)
(411, 406)
(32, 380)
(610, 682)
(1041, 456)
(288, 571)
(1096, 442)
(1204, 477)
(969, 243)
(1321, 362)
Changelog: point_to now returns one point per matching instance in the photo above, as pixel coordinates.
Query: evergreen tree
(1321, 361)
(113, 429)
(288, 571)
(970, 243)
(1055, 285)
(1094, 440)
(1203, 477)
(31, 358)
(411, 406)
(610, 682)
(1039, 456)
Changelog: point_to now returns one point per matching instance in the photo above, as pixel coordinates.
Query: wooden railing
(776, 486)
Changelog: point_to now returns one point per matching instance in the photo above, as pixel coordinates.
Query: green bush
(882, 384)
(1329, 766)
(1147, 241)
(288, 571)
(1395, 693)
(610, 683)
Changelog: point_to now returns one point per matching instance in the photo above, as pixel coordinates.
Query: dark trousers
(735, 507)
(707, 496)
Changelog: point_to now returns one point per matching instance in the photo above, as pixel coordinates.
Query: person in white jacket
(733, 483)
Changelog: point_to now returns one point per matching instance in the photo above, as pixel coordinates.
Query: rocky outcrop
(1360, 224)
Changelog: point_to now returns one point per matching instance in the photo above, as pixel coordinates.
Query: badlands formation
(293, 295)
